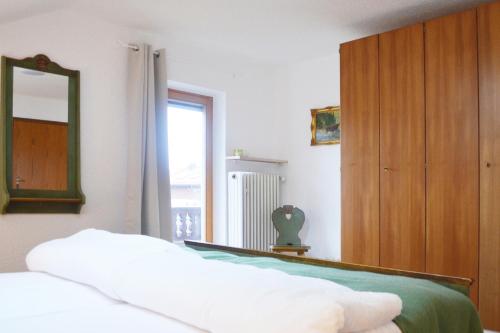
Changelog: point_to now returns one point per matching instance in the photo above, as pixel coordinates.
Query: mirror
(40, 127)
(40, 130)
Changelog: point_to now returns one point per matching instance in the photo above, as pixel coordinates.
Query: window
(190, 162)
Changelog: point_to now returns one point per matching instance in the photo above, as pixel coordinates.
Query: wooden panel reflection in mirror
(40, 154)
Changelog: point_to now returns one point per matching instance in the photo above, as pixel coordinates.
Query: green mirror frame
(14, 200)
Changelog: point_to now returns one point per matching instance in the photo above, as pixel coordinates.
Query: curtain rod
(135, 47)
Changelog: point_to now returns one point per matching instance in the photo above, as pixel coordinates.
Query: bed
(431, 302)
(38, 302)
(74, 287)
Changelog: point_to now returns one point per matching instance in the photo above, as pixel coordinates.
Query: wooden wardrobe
(489, 164)
(421, 151)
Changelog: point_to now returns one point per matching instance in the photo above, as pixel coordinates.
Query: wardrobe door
(451, 85)
(359, 98)
(402, 149)
(489, 117)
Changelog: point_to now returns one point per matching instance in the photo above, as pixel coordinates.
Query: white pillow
(223, 297)
(91, 255)
(210, 294)
(213, 295)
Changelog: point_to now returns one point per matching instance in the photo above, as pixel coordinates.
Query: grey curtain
(148, 209)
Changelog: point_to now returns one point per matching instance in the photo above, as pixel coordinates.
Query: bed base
(466, 282)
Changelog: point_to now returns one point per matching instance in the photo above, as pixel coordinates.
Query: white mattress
(37, 302)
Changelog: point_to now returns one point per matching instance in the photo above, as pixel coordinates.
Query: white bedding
(154, 274)
(123, 283)
(38, 302)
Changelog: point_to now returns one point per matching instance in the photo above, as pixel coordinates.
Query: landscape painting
(325, 126)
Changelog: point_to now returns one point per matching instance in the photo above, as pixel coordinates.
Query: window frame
(207, 102)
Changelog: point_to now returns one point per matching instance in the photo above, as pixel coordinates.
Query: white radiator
(252, 197)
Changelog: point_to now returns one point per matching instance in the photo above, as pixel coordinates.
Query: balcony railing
(187, 223)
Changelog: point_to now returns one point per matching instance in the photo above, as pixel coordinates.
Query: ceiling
(267, 31)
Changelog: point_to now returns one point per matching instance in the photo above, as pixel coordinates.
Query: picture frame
(325, 126)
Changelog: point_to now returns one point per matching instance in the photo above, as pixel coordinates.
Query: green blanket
(428, 307)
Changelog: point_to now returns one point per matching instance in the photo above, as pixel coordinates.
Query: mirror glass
(39, 130)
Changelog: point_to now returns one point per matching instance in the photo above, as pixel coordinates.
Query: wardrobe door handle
(387, 169)
(488, 164)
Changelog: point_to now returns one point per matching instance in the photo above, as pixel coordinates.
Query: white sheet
(30, 294)
(161, 277)
(38, 302)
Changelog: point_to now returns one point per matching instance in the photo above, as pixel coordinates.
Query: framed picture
(325, 126)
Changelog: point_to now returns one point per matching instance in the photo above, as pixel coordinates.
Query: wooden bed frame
(330, 263)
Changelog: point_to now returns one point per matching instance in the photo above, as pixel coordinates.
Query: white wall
(266, 113)
(313, 172)
(90, 45)
(85, 45)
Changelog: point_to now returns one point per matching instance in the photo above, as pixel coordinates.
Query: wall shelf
(255, 159)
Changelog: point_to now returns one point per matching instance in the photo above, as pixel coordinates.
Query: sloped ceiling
(269, 31)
